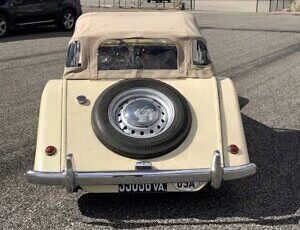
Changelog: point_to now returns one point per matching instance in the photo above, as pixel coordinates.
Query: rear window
(74, 55)
(200, 54)
(133, 53)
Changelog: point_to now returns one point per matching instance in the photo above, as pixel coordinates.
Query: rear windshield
(133, 53)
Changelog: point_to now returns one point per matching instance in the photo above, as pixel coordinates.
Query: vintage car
(139, 110)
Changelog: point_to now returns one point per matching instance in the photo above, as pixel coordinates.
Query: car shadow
(31, 33)
(272, 192)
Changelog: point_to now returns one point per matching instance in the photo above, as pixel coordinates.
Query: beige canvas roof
(94, 28)
(102, 24)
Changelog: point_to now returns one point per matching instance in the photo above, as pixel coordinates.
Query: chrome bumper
(72, 179)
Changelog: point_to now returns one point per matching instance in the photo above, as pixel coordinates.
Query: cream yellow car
(139, 110)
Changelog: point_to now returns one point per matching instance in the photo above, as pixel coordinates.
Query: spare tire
(141, 118)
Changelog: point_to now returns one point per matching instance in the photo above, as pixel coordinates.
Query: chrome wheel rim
(3, 26)
(141, 112)
(69, 20)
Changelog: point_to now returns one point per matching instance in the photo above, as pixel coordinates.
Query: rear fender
(50, 128)
(232, 127)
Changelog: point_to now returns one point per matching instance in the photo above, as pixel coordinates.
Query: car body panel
(50, 128)
(84, 143)
(232, 126)
(196, 151)
(4, 8)
(26, 10)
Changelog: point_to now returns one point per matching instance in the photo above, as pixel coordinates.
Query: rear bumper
(72, 179)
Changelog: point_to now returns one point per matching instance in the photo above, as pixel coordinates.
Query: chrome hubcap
(68, 20)
(2, 26)
(141, 112)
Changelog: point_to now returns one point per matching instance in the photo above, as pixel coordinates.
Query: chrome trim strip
(33, 23)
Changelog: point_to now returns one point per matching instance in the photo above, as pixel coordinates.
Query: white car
(139, 110)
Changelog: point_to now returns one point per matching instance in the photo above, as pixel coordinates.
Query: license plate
(131, 188)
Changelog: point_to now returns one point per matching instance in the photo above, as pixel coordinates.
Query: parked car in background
(20, 13)
(159, 1)
(139, 110)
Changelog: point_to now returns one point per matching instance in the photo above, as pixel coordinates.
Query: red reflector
(233, 149)
(50, 150)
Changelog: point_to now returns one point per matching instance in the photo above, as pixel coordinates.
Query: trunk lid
(195, 152)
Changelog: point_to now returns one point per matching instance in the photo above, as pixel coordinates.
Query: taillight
(50, 150)
(233, 149)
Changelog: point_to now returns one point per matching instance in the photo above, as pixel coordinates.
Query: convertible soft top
(92, 29)
(136, 24)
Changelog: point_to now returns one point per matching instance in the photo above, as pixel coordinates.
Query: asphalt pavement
(261, 53)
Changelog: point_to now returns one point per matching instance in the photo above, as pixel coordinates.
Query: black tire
(66, 14)
(141, 148)
(3, 26)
